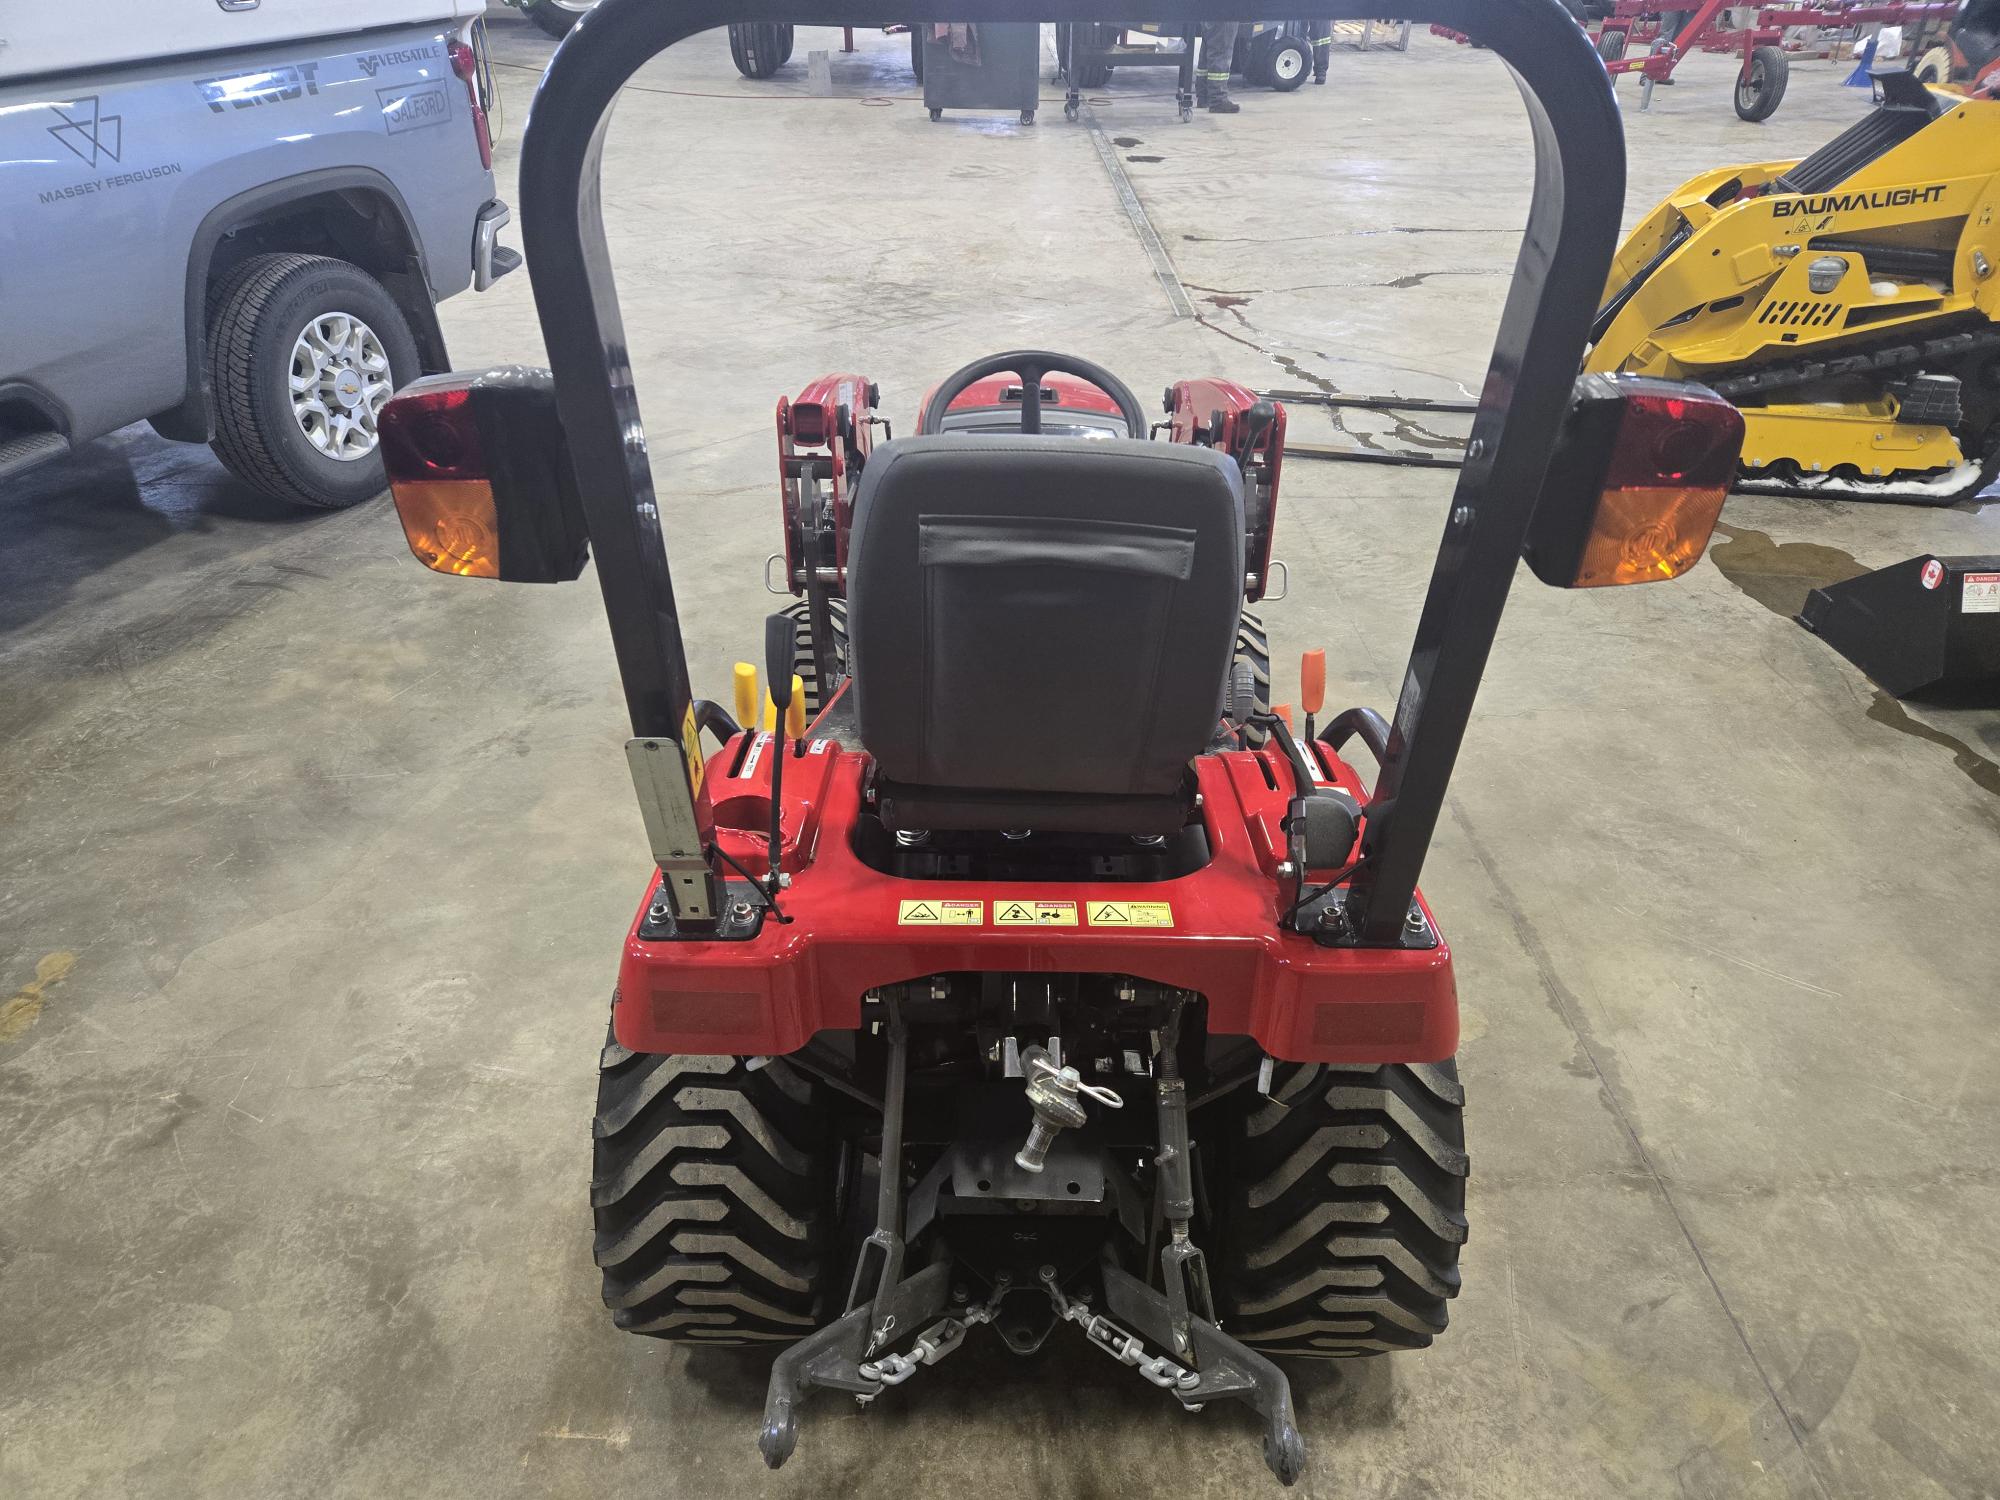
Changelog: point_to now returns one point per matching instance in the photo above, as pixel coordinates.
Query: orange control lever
(1312, 681)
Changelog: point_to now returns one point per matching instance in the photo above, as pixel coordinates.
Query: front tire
(1288, 64)
(1343, 1209)
(710, 1192)
(303, 351)
(758, 48)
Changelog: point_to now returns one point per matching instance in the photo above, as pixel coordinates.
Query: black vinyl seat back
(1041, 628)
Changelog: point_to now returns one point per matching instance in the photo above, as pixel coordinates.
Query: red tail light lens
(465, 63)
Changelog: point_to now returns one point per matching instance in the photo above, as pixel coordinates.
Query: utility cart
(1088, 51)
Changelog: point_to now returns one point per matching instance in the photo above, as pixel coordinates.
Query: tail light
(465, 63)
(1636, 483)
(480, 474)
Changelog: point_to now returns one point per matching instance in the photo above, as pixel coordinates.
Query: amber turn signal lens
(1645, 534)
(450, 525)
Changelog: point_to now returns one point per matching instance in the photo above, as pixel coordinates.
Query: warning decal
(1034, 914)
(1980, 594)
(691, 745)
(1130, 914)
(933, 913)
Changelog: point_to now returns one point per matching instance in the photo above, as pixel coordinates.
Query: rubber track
(707, 1194)
(239, 303)
(1346, 1210)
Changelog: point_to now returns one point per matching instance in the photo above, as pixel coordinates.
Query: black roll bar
(1566, 251)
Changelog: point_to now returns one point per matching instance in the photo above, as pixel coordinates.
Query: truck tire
(710, 1192)
(1760, 91)
(1343, 1207)
(556, 17)
(804, 665)
(276, 321)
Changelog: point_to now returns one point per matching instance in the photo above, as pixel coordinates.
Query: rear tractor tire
(1343, 1204)
(711, 1197)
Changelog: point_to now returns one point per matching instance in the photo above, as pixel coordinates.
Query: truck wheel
(757, 47)
(710, 1192)
(1762, 89)
(1343, 1204)
(556, 17)
(1287, 64)
(303, 351)
(917, 49)
(803, 664)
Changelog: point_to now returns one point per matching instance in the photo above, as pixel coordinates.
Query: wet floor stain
(1779, 575)
(24, 1007)
(1126, 140)
(1145, 158)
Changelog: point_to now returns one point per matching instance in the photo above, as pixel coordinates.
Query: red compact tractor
(1045, 977)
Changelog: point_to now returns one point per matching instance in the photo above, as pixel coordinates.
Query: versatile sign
(935, 913)
(1129, 914)
(1034, 914)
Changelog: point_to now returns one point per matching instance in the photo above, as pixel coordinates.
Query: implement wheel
(1762, 88)
(711, 1194)
(1342, 1200)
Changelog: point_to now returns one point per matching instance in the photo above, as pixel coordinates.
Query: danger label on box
(935, 913)
(1034, 914)
(1130, 914)
(1980, 594)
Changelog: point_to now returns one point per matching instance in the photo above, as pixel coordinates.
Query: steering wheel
(1031, 365)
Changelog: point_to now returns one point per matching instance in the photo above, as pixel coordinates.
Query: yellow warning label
(1034, 914)
(940, 913)
(691, 742)
(1130, 914)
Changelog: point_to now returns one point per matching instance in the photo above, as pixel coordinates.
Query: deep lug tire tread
(1345, 1210)
(708, 1191)
(804, 665)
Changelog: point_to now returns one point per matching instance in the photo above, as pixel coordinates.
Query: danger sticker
(691, 744)
(749, 766)
(940, 913)
(1034, 914)
(1980, 594)
(1130, 914)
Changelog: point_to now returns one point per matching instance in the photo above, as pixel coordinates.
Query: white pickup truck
(234, 218)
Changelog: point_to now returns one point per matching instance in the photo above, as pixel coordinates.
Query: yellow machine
(1848, 304)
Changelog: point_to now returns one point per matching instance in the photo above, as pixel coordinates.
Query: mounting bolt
(1475, 449)
(1415, 922)
(1047, 1273)
(740, 910)
(1462, 516)
(1981, 266)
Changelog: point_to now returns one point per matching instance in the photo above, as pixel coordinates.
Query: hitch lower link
(1198, 1362)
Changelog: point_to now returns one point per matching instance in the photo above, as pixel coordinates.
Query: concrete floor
(315, 866)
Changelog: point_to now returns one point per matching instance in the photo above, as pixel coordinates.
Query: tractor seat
(1041, 629)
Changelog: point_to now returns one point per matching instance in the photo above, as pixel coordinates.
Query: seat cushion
(1040, 614)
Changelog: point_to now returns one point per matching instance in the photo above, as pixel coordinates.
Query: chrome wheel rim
(340, 382)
